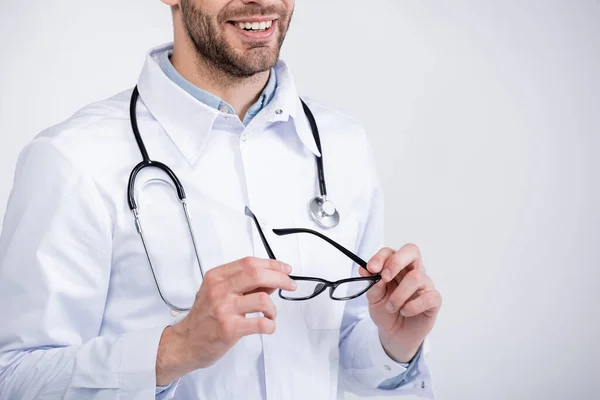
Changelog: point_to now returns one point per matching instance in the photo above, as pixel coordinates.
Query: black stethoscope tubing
(147, 162)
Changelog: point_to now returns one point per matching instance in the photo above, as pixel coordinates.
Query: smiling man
(122, 295)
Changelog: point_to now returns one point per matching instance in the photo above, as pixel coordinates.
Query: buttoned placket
(247, 153)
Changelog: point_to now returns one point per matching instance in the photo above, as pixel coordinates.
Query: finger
(375, 264)
(226, 271)
(252, 278)
(380, 292)
(414, 281)
(427, 303)
(256, 302)
(406, 256)
(252, 326)
(268, 291)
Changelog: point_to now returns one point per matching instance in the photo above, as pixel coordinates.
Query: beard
(213, 48)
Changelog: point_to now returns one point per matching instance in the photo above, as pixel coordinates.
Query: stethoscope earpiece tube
(316, 136)
(134, 124)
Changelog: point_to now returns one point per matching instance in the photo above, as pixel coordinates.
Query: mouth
(255, 28)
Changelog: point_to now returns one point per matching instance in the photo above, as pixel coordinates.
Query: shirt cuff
(387, 366)
(405, 377)
(160, 389)
(166, 392)
(138, 368)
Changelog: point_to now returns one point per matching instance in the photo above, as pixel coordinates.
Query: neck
(240, 93)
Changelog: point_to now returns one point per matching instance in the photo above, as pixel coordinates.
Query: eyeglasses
(308, 287)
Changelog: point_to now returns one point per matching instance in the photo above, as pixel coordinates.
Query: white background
(485, 120)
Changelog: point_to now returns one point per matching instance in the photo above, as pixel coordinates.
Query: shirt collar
(188, 122)
(201, 95)
(265, 98)
(210, 99)
(286, 105)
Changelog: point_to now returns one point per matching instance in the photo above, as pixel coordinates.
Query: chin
(257, 60)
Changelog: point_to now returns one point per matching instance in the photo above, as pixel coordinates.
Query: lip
(264, 35)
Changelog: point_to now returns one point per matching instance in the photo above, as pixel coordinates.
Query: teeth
(255, 26)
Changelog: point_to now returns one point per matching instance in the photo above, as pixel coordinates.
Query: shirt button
(279, 111)
(422, 384)
(243, 138)
(224, 109)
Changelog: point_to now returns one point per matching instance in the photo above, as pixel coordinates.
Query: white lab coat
(82, 317)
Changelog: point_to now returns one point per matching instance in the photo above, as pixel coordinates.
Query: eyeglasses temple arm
(348, 253)
(260, 233)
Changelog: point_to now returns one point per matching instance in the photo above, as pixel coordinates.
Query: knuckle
(274, 264)
(436, 297)
(210, 276)
(413, 249)
(385, 250)
(257, 274)
(228, 329)
(384, 253)
(252, 271)
(264, 301)
(221, 312)
(247, 261)
(393, 264)
(381, 255)
(213, 293)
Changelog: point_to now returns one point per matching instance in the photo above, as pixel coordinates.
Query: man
(93, 312)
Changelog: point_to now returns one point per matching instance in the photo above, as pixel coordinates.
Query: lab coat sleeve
(365, 367)
(55, 265)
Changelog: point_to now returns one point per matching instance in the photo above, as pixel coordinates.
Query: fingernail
(286, 268)
(293, 285)
(403, 312)
(390, 307)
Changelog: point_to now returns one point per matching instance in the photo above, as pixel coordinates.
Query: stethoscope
(322, 211)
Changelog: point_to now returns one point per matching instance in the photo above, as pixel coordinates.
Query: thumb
(377, 294)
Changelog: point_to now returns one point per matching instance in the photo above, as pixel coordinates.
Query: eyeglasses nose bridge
(332, 288)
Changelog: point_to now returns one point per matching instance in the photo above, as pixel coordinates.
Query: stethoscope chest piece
(324, 213)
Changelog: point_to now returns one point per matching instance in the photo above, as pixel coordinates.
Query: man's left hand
(404, 303)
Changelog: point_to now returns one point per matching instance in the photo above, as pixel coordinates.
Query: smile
(259, 28)
(254, 26)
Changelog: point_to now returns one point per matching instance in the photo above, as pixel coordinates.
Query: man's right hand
(217, 319)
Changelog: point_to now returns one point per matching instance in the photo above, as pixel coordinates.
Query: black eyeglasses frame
(373, 279)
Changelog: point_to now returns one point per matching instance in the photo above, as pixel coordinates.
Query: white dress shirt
(82, 315)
